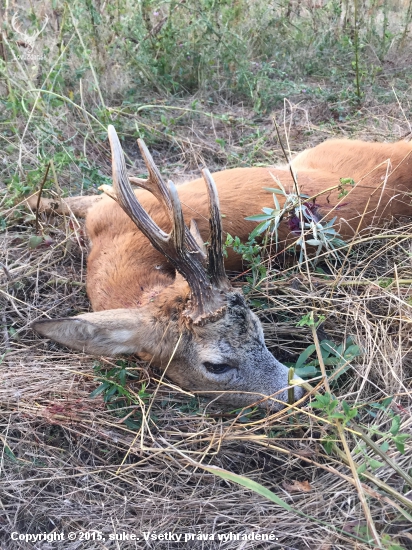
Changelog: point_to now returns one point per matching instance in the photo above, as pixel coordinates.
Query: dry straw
(68, 463)
(67, 453)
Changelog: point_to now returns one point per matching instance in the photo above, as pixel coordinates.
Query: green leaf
(249, 484)
(325, 354)
(401, 437)
(110, 393)
(9, 453)
(384, 283)
(386, 402)
(400, 447)
(276, 202)
(304, 355)
(399, 441)
(35, 241)
(332, 361)
(309, 370)
(100, 389)
(374, 464)
(352, 413)
(325, 402)
(324, 399)
(396, 423)
(328, 443)
(274, 190)
(122, 377)
(132, 424)
(330, 223)
(385, 446)
(338, 351)
(316, 405)
(259, 217)
(352, 351)
(361, 469)
(338, 415)
(269, 211)
(328, 345)
(338, 243)
(345, 181)
(260, 228)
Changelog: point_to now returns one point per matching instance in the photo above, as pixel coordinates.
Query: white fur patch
(121, 335)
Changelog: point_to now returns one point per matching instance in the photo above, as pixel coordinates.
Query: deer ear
(107, 332)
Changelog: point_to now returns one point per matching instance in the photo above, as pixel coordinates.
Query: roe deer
(158, 291)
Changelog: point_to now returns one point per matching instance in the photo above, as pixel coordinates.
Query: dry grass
(70, 464)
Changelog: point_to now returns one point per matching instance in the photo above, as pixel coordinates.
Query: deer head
(28, 39)
(197, 326)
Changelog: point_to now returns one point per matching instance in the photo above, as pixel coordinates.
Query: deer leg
(79, 206)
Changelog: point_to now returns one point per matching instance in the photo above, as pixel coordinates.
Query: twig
(39, 195)
(319, 354)
(383, 455)
(5, 331)
(6, 271)
(288, 160)
(367, 512)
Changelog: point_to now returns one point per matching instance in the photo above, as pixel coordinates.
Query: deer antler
(206, 279)
(29, 39)
(215, 264)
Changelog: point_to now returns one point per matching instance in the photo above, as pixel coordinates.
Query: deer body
(126, 266)
(147, 300)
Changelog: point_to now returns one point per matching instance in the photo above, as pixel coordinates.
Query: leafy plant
(117, 395)
(392, 435)
(303, 219)
(309, 320)
(251, 252)
(328, 404)
(341, 188)
(92, 176)
(337, 357)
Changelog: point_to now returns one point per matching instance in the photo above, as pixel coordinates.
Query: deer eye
(217, 368)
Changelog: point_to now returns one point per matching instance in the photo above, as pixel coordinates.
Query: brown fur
(122, 262)
(124, 269)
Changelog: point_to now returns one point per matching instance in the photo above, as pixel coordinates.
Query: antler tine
(194, 231)
(216, 267)
(179, 229)
(127, 199)
(205, 302)
(178, 246)
(46, 20)
(15, 23)
(155, 183)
